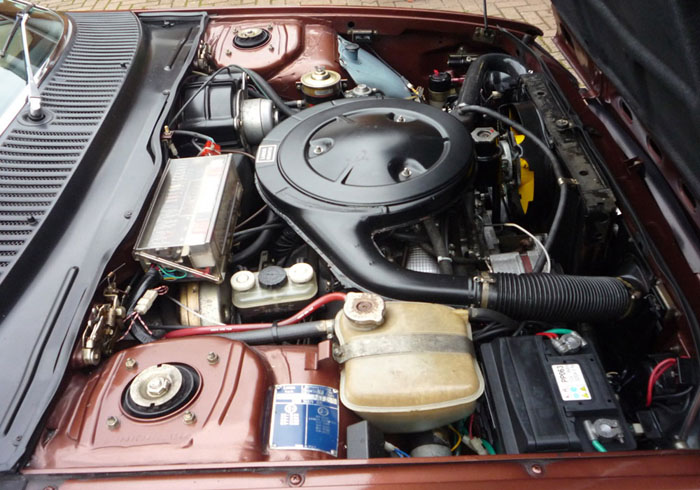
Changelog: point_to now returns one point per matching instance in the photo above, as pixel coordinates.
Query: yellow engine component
(527, 179)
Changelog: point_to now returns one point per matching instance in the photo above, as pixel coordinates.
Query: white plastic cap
(300, 273)
(243, 281)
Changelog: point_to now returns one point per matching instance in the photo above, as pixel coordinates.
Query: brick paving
(537, 12)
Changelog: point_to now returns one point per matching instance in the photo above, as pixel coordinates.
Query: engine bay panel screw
(296, 480)
(212, 358)
(112, 422)
(536, 469)
(189, 417)
(130, 363)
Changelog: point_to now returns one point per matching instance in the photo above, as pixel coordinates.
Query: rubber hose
(476, 75)
(487, 316)
(439, 245)
(552, 297)
(260, 242)
(267, 89)
(276, 335)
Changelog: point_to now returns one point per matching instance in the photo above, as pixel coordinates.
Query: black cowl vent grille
(37, 163)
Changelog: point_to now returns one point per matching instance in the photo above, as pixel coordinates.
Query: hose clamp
(566, 181)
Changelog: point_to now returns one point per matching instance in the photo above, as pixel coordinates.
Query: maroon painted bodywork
(225, 448)
(230, 408)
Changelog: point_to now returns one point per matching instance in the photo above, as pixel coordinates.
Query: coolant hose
(476, 75)
(553, 297)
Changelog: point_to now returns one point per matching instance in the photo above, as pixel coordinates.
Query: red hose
(308, 310)
(656, 373)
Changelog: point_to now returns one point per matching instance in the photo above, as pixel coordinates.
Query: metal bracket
(376, 345)
(484, 35)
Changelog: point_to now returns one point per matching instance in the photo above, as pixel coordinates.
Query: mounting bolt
(406, 172)
(318, 150)
(189, 417)
(212, 358)
(228, 52)
(562, 123)
(536, 469)
(112, 422)
(130, 363)
(295, 480)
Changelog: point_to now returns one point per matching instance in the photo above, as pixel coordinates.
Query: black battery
(543, 401)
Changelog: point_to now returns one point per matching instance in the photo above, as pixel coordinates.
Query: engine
(342, 263)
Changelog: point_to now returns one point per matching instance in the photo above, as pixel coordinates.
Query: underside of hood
(650, 51)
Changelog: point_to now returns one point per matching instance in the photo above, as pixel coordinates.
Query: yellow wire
(459, 441)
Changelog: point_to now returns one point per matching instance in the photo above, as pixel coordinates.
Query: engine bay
(356, 253)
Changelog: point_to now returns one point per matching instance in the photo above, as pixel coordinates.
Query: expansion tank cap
(365, 310)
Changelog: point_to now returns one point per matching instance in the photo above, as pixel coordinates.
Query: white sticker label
(572, 385)
(266, 153)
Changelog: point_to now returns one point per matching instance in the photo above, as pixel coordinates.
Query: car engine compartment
(355, 253)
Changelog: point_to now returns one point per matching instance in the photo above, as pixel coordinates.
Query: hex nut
(212, 358)
(189, 417)
(130, 363)
(112, 422)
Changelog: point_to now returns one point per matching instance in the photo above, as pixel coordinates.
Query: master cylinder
(406, 367)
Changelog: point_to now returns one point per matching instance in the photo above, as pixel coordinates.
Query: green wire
(599, 447)
(168, 273)
(559, 331)
(489, 448)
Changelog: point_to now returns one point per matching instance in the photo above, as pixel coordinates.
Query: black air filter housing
(342, 170)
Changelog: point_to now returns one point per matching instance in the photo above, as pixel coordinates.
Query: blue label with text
(305, 417)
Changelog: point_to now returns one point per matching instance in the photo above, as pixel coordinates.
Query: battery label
(572, 385)
(305, 416)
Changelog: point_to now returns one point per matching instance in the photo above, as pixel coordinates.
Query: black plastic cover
(365, 441)
(341, 171)
(527, 399)
(212, 110)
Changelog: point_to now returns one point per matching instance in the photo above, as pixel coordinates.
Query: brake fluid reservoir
(407, 367)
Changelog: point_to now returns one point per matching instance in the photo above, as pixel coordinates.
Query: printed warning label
(572, 385)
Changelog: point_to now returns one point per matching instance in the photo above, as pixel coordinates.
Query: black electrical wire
(204, 84)
(262, 86)
(556, 167)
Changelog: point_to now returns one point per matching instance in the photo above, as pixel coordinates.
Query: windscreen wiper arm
(35, 112)
(13, 31)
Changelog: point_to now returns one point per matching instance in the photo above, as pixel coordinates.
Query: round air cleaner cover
(365, 152)
(343, 169)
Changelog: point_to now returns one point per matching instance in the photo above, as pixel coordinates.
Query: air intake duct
(552, 297)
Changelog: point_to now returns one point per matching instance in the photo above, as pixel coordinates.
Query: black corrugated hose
(553, 297)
